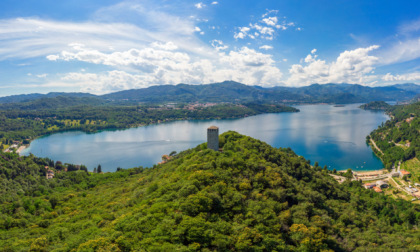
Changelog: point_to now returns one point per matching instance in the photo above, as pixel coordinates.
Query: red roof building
(377, 189)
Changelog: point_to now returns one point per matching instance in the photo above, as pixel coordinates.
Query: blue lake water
(333, 136)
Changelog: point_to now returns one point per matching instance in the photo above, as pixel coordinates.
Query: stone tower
(213, 138)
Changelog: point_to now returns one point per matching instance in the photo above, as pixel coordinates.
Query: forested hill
(376, 105)
(230, 91)
(249, 197)
(399, 138)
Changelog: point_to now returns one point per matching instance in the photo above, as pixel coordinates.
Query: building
(395, 174)
(50, 174)
(213, 138)
(404, 173)
(369, 185)
(381, 184)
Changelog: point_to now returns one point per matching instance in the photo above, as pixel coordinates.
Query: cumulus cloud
(106, 82)
(402, 77)
(272, 21)
(249, 66)
(214, 2)
(147, 59)
(350, 66)
(243, 32)
(164, 64)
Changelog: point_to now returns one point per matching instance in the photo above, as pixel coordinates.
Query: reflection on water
(333, 136)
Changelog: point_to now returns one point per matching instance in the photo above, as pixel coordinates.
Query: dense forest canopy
(376, 105)
(248, 197)
(399, 138)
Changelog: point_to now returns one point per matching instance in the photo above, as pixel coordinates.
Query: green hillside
(249, 197)
(376, 105)
(399, 138)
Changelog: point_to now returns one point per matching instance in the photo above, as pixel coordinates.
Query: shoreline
(21, 148)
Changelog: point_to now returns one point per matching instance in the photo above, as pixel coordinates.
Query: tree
(99, 170)
(173, 153)
(94, 170)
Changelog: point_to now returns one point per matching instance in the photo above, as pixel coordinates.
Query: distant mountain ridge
(230, 91)
(35, 96)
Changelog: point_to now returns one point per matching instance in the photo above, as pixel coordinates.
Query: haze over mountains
(230, 91)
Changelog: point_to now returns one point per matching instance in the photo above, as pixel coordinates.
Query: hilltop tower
(213, 138)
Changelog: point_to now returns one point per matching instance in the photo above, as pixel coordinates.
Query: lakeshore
(332, 136)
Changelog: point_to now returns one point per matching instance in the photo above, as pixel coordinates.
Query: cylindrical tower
(213, 138)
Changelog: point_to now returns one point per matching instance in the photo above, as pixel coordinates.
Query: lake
(333, 136)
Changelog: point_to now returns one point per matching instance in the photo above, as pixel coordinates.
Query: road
(376, 147)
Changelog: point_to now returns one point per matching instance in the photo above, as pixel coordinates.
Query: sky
(103, 46)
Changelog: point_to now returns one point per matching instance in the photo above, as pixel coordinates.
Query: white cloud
(214, 2)
(197, 29)
(199, 5)
(271, 21)
(141, 59)
(267, 27)
(218, 45)
(250, 67)
(169, 46)
(410, 27)
(402, 77)
(275, 12)
(42, 75)
(105, 82)
(353, 66)
(266, 47)
(406, 45)
(401, 51)
(23, 38)
(243, 32)
(53, 57)
(309, 58)
(155, 65)
(313, 51)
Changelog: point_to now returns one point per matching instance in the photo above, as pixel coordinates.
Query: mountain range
(230, 91)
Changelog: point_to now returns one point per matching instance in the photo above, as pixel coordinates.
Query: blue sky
(104, 46)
